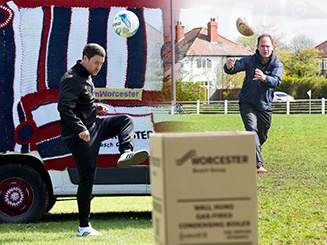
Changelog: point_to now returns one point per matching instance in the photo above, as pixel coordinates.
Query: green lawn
(121, 220)
(292, 196)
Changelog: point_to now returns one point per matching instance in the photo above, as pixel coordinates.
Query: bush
(189, 91)
(298, 87)
(185, 91)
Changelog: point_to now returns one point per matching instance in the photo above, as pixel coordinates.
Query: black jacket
(76, 102)
(258, 94)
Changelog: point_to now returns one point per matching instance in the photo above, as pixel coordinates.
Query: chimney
(179, 31)
(213, 30)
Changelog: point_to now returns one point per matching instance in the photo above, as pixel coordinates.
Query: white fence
(300, 106)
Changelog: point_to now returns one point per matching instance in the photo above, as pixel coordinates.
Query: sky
(289, 18)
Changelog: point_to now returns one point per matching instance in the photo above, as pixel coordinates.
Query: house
(201, 54)
(323, 55)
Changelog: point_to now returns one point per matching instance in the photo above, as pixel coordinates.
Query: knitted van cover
(39, 43)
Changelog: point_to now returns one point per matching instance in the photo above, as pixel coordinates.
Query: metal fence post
(288, 107)
(323, 106)
(226, 106)
(198, 107)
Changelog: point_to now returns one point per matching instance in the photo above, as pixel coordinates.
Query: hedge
(298, 87)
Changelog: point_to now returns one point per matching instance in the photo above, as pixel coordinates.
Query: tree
(301, 42)
(304, 63)
(232, 81)
(251, 42)
(299, 57)
(185, 91)
(285, 56)
(190, 91)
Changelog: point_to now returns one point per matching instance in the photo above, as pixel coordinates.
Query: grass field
(292, 196)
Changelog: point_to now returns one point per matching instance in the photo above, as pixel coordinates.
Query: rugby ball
(244, 27)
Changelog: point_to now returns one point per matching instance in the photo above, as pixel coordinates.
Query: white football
(125, 23)
(244, 27)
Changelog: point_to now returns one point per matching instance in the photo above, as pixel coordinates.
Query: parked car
(282, 97)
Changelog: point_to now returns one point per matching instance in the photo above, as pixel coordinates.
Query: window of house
(324, 63)
(209, 65)
(198, 63)
(203, 63)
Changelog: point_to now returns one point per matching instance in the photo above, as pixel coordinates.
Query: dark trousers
(86, 155)
(257, 121)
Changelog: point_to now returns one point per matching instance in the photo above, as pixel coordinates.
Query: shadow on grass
(141, 215)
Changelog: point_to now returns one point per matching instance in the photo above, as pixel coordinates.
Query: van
(39, 42)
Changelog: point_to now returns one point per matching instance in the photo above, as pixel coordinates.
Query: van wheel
(23, 194)
(52, 202)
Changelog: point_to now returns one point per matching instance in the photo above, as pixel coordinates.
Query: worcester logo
(214, 160)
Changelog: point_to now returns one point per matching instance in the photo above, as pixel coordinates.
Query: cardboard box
(204, 188)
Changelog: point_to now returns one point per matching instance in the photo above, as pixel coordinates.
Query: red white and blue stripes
(39, 43)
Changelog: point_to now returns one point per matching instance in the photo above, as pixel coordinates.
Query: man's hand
(230, 63)
(85, 135)
(259, 75)
(101, 110)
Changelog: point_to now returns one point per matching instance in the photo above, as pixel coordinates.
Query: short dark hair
(265, 35)
(92, 49)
